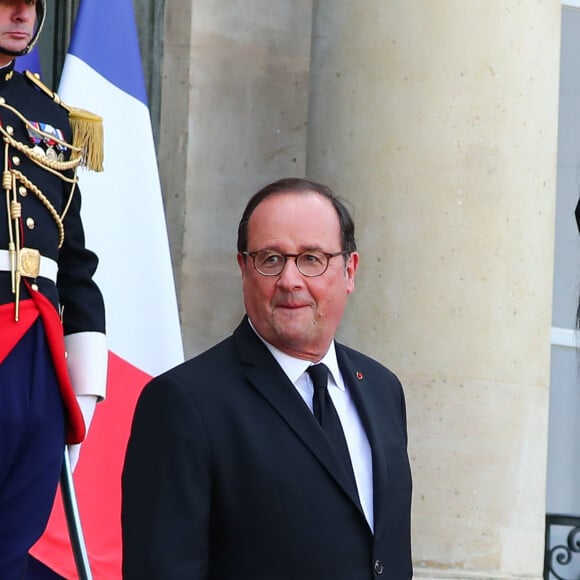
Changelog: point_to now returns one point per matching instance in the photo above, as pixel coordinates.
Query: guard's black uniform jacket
(42, 241)
(75, 293)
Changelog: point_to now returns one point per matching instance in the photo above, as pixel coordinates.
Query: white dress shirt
(356, 438)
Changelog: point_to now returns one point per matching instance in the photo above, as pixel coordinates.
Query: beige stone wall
(233, 118)
(438, 120)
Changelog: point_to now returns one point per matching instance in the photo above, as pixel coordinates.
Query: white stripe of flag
(125, 225)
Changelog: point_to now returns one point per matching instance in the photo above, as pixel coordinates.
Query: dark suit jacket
(228, 476)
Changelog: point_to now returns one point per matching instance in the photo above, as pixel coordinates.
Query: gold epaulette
(87, 128)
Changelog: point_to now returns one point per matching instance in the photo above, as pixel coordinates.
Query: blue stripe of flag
(105, 38)
(30, 61)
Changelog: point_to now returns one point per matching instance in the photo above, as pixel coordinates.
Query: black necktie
(326, 414)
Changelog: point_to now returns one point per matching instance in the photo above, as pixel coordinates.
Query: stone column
(438, 121)
(233, 118)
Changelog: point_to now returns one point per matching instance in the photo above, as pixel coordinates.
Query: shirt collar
(296, 367)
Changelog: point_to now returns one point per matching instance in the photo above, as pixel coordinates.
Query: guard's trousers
(32, 441)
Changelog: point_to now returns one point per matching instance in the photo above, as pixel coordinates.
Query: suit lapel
(361, 393)
(271, 382)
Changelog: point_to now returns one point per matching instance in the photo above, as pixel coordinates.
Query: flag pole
(73, 520)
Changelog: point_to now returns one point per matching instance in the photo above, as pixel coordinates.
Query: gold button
(34, 286)
(10, 130)
(30, 223)
(16, 161)
(23, 191)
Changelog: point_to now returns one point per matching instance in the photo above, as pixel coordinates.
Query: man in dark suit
(236, 467)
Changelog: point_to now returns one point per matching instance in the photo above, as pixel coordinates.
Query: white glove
(87, 404)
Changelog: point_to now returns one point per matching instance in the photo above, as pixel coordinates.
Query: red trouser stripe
(13, 331)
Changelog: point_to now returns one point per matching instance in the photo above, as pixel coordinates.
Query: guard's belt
(43, 267)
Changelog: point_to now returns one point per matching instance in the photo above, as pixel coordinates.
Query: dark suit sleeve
(403, 411)
(166, 488)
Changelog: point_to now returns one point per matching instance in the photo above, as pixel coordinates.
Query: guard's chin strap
(15, 53)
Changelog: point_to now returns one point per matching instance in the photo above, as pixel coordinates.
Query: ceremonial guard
(53, 354)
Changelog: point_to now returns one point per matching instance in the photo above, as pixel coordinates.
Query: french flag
(124, 224)
(30, 61)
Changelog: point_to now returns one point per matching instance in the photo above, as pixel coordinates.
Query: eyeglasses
(311, 264)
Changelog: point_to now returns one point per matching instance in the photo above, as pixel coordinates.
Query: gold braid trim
(53, 165)
(87, 128)
(45, 201)
(40, 131)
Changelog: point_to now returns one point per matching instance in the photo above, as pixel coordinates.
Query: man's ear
(241, 262)
(351, 268)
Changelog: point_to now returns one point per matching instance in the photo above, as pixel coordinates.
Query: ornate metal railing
(562, 548)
